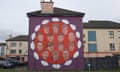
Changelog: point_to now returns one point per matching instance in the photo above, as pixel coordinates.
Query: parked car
(14, 61)
(1, 63)
(6, 64)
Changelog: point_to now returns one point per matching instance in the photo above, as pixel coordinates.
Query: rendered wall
(55, 43)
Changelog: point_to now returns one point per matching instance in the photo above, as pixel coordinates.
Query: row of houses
(102, 44)
(16, 48)
(101, 39)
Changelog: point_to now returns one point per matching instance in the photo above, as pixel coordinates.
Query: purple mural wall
(55, 43)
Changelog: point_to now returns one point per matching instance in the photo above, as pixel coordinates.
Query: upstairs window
(91, 35)
(12, 51)
(111, 34)
(119, 46)
(20, 51)
(13, 44)
(112, 46)
(20, 44)
(2, 51)
(118, 34)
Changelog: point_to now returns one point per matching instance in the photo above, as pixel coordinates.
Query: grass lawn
(14, 70)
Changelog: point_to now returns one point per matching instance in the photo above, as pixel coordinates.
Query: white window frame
(112, 46)
(118, 34)
(111, 34)
(13, 44)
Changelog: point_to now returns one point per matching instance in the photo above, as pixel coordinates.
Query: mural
(55, 42)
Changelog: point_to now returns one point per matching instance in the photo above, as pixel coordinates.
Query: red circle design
(54, 43)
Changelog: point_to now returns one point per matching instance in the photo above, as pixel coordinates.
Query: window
(92, 48)
(111, 34)
(13, 44)
(118, 34)
(20, 44)
(12, 51)
(2, 51)
(91, 35)
(119, 46)
(20, 51)
(112, 46)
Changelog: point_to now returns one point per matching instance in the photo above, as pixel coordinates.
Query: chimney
(10, 36)
(47, 7)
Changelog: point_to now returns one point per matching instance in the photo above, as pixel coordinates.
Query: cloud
(4, 34)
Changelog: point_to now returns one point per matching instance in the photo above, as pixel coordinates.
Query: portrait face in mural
(46, 29)
(65, 54)
(50, 47)
(71, 46)
(55, 55)
(60, 37)
(40, 46)
(65, 29)
(55, 28)
(60, 46)
(71, 36)
(45, 54)
(50, 37)
(40, 36)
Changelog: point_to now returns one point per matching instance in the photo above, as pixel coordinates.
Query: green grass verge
(14, 70)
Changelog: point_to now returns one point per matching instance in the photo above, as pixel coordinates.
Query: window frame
(112, 46)
(20, 51)
(2, 51)
(12, 52)
(118, 34)
(119, 46)
(111, 34)
(91, 36)
(20, 44)
(13, 44)
(92, 49)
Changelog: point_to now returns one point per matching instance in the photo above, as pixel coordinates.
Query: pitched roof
(102, 24)
(19, 38)
(2, 44)
(57, 12)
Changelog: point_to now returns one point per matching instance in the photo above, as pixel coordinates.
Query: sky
(13, 18)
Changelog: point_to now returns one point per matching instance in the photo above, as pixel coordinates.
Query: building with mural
(102, 44)
(17, 48)
(99, 53)
(55, 38)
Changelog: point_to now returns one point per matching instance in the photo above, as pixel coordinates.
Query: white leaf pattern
(33, 36)
(77, 34)
(56, 66)
(76, 54)
(79, 44)
(55, 19)
(45, 22)
(67, 63)
(37, 28)
(73, 27)
(32, 45)
(44, 63)
(65, 21)
(36, 56)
